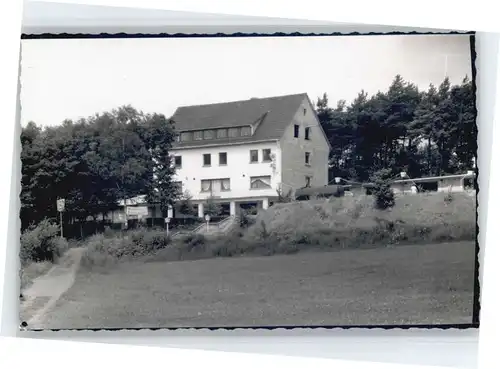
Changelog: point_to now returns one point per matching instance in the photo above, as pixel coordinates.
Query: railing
(199, 227)
(224, 221)
(219, 225)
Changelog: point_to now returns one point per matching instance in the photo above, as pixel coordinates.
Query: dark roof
(426, 179)
(325, 190)
(273, 114)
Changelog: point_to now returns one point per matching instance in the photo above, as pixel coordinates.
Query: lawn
(420, 284)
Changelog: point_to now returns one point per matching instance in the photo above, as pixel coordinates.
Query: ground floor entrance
(235, 207)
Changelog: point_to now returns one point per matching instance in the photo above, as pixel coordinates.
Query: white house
(242, 153)
(447, 183)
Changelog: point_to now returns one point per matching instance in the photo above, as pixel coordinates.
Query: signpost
(61, 203)
(207, 219)
(167, 221)
(403, 175)
(138, 211)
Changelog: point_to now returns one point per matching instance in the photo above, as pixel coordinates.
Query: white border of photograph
(307, 344)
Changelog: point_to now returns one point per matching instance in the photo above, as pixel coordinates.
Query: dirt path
(43, 294)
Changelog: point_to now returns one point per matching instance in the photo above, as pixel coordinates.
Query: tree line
(424, 133)
(95, 162)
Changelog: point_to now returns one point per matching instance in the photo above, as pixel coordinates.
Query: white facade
(230, 180)
(450, 183)
(245, 153)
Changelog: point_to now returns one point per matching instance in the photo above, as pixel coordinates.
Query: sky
(71, 79)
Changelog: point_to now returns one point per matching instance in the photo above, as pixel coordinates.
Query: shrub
(284, 197)
(384, 196)
(339, 191)
(448, 198)
(108, 232)
(33, 270)
(226, 246)
(247, 217)
(193, 241)
(42, 243)
(105, 251)
(263, 230)
(212, 208)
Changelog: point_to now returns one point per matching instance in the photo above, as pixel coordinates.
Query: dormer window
(246, 131)
(198, 135)
(232, 132)
(208, 134)
(222, 133)
(186, 136)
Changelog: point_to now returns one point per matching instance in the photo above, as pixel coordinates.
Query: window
(215, 185)
(225, 184)
(223, 158)
(198, 135)
(308, 181)
(178, 186)
(305, 111)
(428, 186)
(308, 133)
(307, 158)
(207, 160)
(233, 132)
(246, 131)
(178, 161)
(206, 185)
(208, 134)
(260, 182)
(222, 133)
(254, 156)
(266, 155)
(296, 128)
(186, 136)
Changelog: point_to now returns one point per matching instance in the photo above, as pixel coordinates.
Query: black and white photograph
(248, 182)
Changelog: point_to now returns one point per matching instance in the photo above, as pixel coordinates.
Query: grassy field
(420, 284)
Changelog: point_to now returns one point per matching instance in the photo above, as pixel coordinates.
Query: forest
(94, 162)
(424, 133)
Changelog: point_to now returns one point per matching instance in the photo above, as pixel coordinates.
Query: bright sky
(69, 79)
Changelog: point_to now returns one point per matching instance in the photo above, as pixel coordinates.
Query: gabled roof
(427, 179)
(269, 116)
(324, 190)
